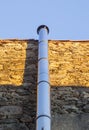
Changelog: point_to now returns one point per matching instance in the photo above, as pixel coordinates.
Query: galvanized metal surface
(43, 89)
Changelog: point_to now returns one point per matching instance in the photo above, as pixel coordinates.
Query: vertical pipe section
(43, 89)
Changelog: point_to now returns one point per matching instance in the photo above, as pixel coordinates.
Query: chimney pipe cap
(42, 26)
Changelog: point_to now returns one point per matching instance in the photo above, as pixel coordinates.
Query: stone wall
(69, 63)
(69, 78)
(18, 75)
(70, 108)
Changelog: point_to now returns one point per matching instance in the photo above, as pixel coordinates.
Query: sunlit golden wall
(16, 60)
(69, 63)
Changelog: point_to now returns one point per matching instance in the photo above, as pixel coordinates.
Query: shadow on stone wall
(18, 103)
(70, 108)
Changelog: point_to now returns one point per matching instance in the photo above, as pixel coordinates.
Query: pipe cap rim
(42, 26)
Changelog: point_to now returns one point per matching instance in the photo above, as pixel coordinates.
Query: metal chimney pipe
(43, 89)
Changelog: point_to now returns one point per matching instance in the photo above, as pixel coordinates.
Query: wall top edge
(49, 40)
(19, 40)
(69, 40)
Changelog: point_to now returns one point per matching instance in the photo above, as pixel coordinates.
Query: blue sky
(66, 19)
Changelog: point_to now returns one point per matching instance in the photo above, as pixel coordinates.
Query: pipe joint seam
(43, 116)
(43, 81)
(43, 58)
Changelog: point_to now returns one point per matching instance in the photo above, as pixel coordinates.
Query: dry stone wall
(69, 63)
(69, 78)
(18, 75)
(70, 108)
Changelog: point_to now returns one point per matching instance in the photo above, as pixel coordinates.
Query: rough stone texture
(18, 77)
(70, 108)
(69, 76)
(16, 61)
(69, 63)
(71, 122)
(70, 100)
